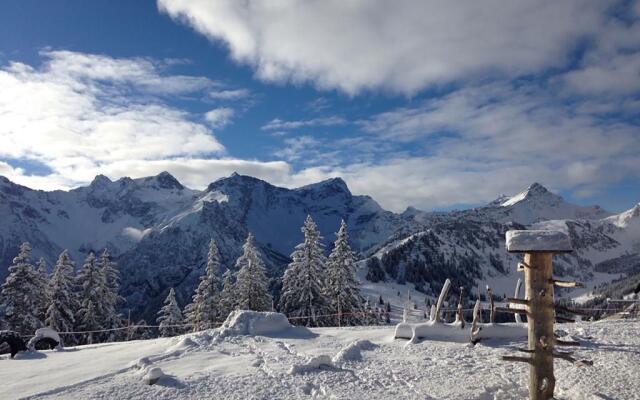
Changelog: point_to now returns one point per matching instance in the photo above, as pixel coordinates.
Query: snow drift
(253, 323)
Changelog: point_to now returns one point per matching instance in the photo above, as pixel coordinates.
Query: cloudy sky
(435, 104)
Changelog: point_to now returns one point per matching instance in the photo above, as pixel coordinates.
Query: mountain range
(158, 231)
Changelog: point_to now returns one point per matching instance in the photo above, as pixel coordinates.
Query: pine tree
(61, 294)
(303, 284)
(41, 283)
(252, 286)
(18, 294)
(90, 281)
(342, 287)
(108, 290)
(170, 317)
(228, 298)
(204, 310)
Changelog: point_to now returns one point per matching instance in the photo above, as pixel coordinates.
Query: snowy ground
(289, 364)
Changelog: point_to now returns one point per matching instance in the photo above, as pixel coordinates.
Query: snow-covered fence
(538, 248)
(436, 328)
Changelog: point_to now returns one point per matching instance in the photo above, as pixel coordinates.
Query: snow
(153, 375)
(352, 351)
(135, 234)
(433, 330)
(243, 322)
(44, 333)
(244, 367)
(538, 240)
(515, 199)
(313, 363)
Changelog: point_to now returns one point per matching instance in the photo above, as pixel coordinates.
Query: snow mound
(538, 240)
(242, 322)
(153, 375)
(141, 363)
(183, 344)
(312, 364)
(44, 333)
(353, 351)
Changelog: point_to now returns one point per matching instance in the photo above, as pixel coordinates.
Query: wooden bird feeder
(538, 248)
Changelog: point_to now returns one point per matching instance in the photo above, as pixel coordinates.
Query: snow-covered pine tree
(109, 289)
(18, 294)
(303, 293)
(252, 286)
(343, 289)
(228, 298)
(62, 296)
(204, 310)
(90, 281)
(41, 283)
(170, 317)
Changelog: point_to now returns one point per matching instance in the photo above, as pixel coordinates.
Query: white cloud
(143, 73)
(81, 115)
(197, 173)
(401, 45)
(298, 147)
(612, 65)
(477, 142)
(277, 124)
(219, 117)
(229, 94)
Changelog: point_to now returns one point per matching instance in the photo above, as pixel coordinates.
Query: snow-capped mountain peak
(626, 218)
(101, 181)
(535, 192)
(164, 180)
(537, 203)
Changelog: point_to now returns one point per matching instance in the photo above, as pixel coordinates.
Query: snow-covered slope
(469, 246)
(103, 214)
(324, 363)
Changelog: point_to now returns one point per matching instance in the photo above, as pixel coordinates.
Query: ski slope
(330, 363)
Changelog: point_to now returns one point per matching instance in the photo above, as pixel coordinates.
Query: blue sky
(423, 103)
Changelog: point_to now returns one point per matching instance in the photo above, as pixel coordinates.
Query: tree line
(65, 301)
(316, 291)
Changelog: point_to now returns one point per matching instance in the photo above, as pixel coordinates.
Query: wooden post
(540, 319)
(517, 295)
(443, 295)
(491, 306)
(538, 248)
(459, 316)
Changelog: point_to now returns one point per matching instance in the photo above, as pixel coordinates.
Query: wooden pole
(540, 319)
(538, 247)
(491, 306)
(517, 295)
(459, 316)
(443, 295)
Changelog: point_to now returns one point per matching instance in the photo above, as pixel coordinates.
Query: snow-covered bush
(45, 338)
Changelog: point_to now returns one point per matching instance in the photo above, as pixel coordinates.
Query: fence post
(538, 248)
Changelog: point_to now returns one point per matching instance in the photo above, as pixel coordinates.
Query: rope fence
(346, 314)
